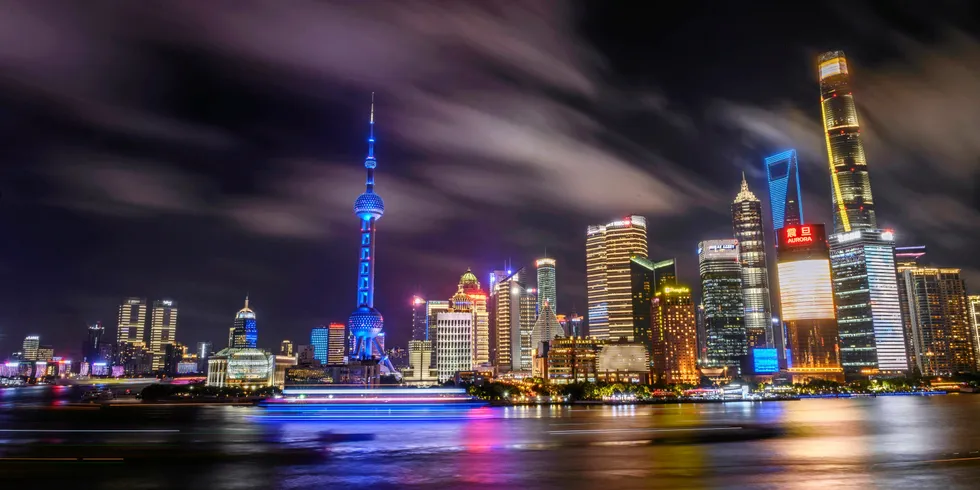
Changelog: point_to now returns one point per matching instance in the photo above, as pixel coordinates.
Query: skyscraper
(807, 302)
(455, 344)
(514, 314)
(163, 330)
(419, 319)
(320, 340)
(608, 249)
(575, 325)
(674, 356)
(646, 278)
(245, 332)
(31, 345)
(942, 339)
(547, 290)
(132, 321)
(366, 322)
(854, 207)
(432, 309)
(336, 333)
(747, 223)
(869, 315)
(785, 197)
(721, 294)
(907, 258)
(286, 348)
(476, 302)
(93, 343)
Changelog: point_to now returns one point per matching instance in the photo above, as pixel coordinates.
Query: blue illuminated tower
(785, 199)
(366, 322)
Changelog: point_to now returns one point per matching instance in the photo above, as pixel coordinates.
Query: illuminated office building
(286, 348)
(747, 223)
(163, 330)
(432, 309)
(455, 343)
(471, 297)
(807, 302)
(942, 337)
(721, 295)
(785, 197)
(573, 360)
(30, 347)
(420, 371)
(575, 325)
(245, 332)
(646, 278)
(515, 311)
(674, 343)
(132, 321)
(854, 208)
(608, 249)
(320, 340)
(92, 348)
(336, 333)
(546, 328)
(869, 315)
(420, 319)
(973, 311)
(907, 258)
(547, 290)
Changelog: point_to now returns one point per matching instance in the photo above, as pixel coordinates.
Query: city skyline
(280, 257)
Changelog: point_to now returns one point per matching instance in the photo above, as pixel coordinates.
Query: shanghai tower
(365, 322)
(854, 209)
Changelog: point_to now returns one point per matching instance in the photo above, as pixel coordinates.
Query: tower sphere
(365, 322)
(369, 205)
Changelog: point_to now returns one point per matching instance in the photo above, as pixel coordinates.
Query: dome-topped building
(245, 332)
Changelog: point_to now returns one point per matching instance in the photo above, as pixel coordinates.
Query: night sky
(204, 150)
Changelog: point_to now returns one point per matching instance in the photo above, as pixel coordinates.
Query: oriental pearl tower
(366, 322)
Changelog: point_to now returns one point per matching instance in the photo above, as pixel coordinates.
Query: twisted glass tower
(853, 206)
(366, 322)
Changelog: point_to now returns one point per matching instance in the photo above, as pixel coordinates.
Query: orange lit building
(674, 336)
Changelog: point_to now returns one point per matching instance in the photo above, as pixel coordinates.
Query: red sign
(802, 234)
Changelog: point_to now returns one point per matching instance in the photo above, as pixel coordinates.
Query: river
(884, 442)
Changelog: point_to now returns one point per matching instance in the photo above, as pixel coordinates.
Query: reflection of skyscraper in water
(785, 199)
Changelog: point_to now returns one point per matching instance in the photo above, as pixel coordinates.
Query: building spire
(371, 136)
(744, 194)
(246, 301)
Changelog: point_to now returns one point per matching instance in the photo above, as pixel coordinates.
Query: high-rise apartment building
(907, 258)
(646, 278)
(608, 250)
(30, 347)
(854, 208)
(132, 321)
(419, 319)
(547, 289)
(942, 337)
(245, 332)
(454, 344)
(721, 294)
(973, 311)
(336, 333)
(747, 223)
(163, 330)
(674, 346)
(869, 315)
(785, 197)
(529, 313)
(807, 302)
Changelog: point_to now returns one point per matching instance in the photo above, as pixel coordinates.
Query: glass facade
(646, 278)
(420, 330)
(721, 295)
(547, 290)
(320, 340)
(869, 316)
(749, 232)
(807, 300)
(609, 249)
(853, 205)
(785, 197)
